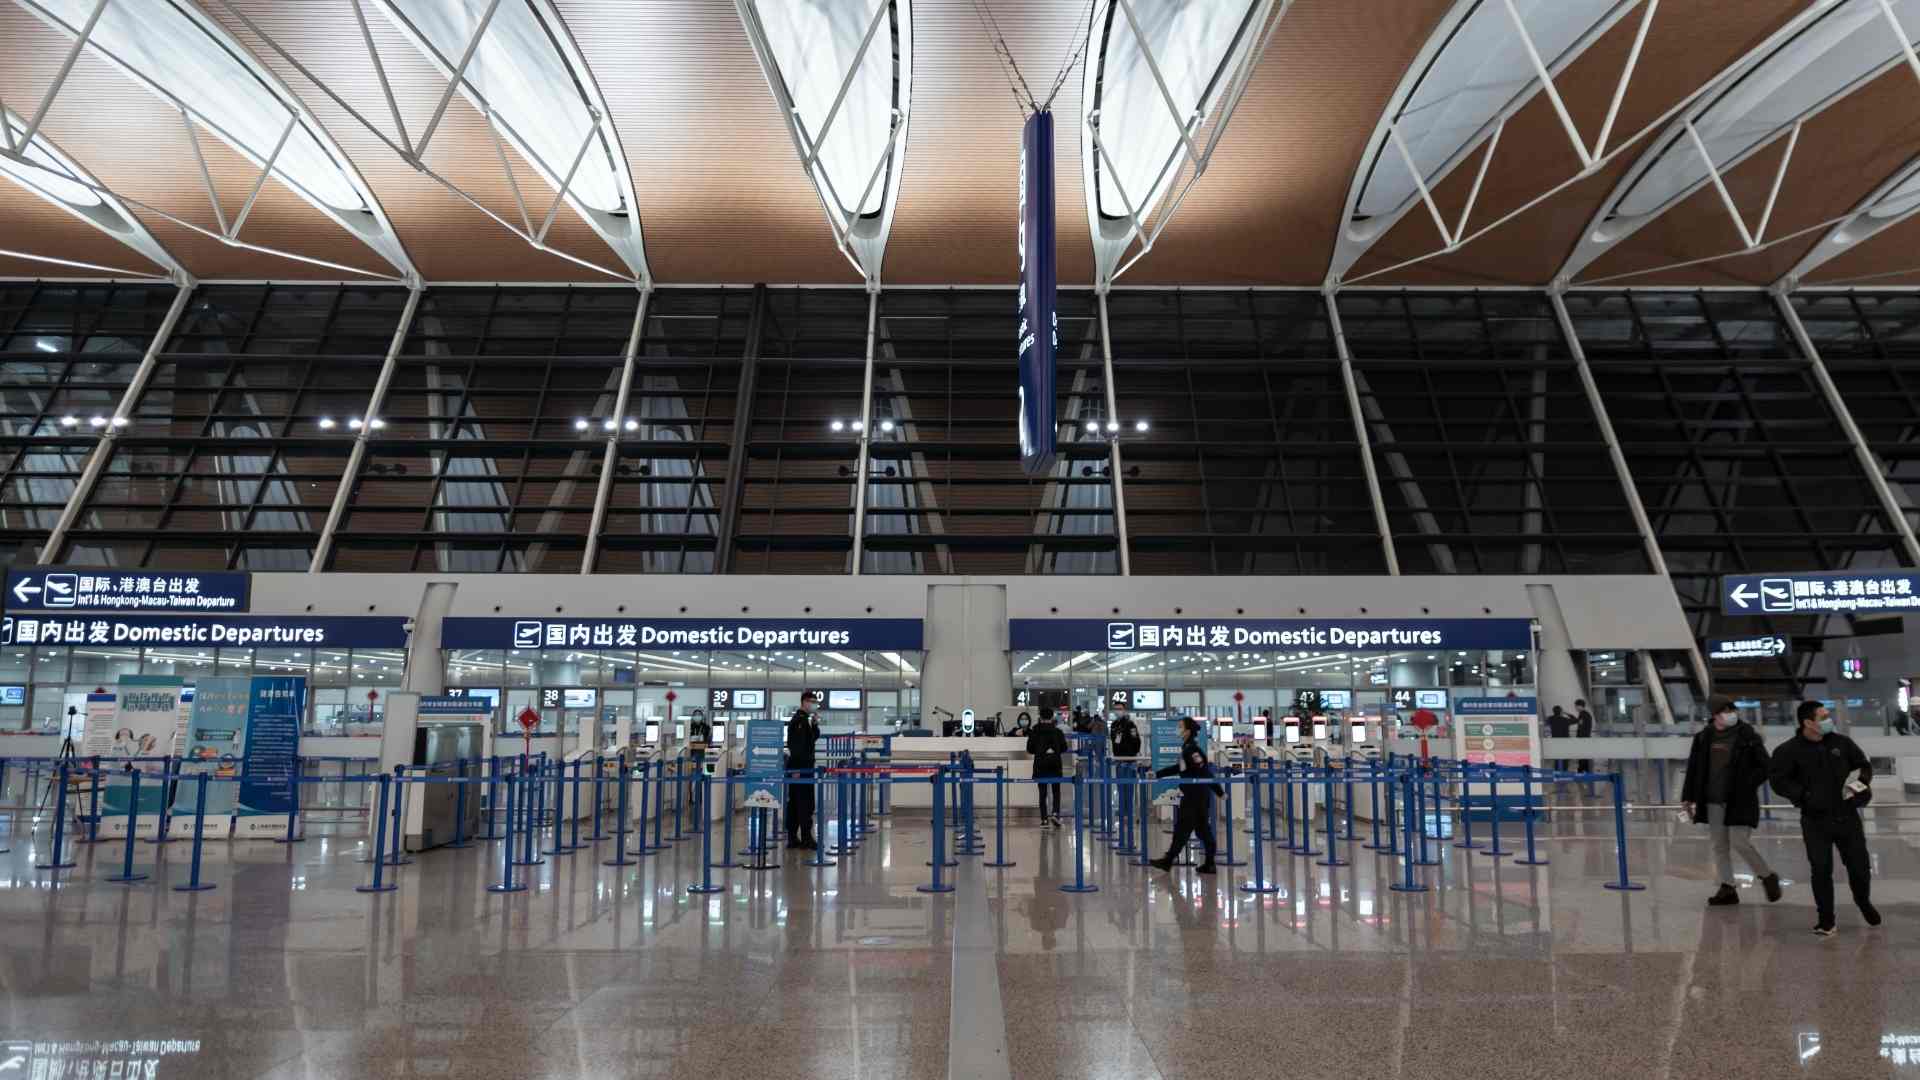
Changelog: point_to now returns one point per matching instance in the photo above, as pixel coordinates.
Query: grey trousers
(1725, 838)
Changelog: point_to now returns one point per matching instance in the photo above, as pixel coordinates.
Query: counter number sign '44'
(1795, 592)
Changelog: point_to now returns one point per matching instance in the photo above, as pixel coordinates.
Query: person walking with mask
(1195, 816)
(1826, 775)
(1725, 768)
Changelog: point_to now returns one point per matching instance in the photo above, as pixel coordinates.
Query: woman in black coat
(1725, 768)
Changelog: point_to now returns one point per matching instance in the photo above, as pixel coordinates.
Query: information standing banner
(1039, 333)
(1497, 731)
(145, 722)
(766, 763)
(215, 736)
(275, 704)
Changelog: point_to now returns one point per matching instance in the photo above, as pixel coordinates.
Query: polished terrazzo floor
(1499, 970)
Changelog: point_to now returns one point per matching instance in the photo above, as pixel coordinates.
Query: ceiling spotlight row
(857, 425)
(354, 423)
(1113, 427)
(609, 424)
(93, 422)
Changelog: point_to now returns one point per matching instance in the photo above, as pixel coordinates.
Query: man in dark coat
(803, 733)
(1725, 769)
(1816, 771)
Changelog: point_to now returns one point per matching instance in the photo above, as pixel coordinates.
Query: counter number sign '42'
(1791, 593)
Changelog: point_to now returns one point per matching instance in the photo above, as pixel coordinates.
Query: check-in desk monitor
(717, 732)
(680, 731)
(1357, 732)
(740, 731)
(1291, 725)
(1319, 729)
(1259, 731)
(653, 733)
(1223, 730)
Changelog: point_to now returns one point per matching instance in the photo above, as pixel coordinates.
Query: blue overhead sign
(1039, 333)
(241, 631)
(1363, 635)
(901, 635)
(1796, 593)
(59, 589)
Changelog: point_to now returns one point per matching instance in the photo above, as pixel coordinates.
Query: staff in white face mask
(1725, 769)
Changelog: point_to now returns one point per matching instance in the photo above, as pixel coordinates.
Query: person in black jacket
(1195, 815)
(1814, 771)
(1725, 768)
(1048, 745)
(803, 731)
(1583, 729)
(1124, 736)
(1560, 726)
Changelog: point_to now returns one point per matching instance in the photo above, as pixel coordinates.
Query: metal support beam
(1869, 463)
(103, 449)
(865, 431)
(261, 181)
(60, 78)
(846, 84)
(1655, 558)
(1113, 440)
(736, 490)
(419, 150)
(323, 550)
(603, 495)
(1360, 432)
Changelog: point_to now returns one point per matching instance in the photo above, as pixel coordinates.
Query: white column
(349, 476)
(612, 459)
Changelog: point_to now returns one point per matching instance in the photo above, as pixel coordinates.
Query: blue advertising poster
(766, 762)
(1039, 333)
(274, 707)
(215, 734)
(1165, 742)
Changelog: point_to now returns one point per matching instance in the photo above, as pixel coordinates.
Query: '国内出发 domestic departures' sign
(1849, 591)
(904, 635)
(1148, 635)
(240, 631)
(56, 589)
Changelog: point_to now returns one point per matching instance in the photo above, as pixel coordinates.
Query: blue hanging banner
(1039, 336)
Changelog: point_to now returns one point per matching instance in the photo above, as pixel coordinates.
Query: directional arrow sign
(24, 590)
(1862, 592)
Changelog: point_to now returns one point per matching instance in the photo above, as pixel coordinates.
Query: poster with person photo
(145, 725)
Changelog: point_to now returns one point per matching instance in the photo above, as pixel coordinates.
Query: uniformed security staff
(1196, 800)
(803, 731)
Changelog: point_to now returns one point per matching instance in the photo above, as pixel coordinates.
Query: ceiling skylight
(1195, 45)
(1819, 59)
(61, 181)
(182, 56)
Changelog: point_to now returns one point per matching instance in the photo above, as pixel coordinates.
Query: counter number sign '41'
(1844, 591)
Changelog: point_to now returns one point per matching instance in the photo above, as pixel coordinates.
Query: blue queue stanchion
(1493, 803)
(706, 884)
(1143, 796)
(999, 819)
(1259, 884)
(531, 792)
(460, 806)
(620, 819)
(1306, 850)
(493, 797)
(1373, 800)
(1333, 844)
(559, 811)
(398, 857)
(1419, 834)
(599, 796)
(1227, 858)
(1463, 803)
(1408, 885)
(939, 860)
(164, 834)
(1346, 776)
(194, 884)
(1620, 837)
(293, 805)
(659, 805)
(506, 883)
(820, 850)
(679, 797)
(93, 803)
(573, 830)
(726, 835)
(1080, 884)
(126, 876)
(1527, 814)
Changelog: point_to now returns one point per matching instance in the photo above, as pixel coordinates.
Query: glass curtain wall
(67, 354)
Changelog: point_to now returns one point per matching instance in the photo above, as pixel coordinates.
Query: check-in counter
(988, 754)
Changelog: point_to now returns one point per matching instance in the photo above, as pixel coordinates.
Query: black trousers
(1049, 791)
(1844, 831)
(1194, 818)
(799, 811)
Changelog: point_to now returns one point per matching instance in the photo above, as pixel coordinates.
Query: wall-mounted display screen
(1150, 699)
(1430, 699)
(843, 699)
(13, 695)
(1336, 699)
(579, 698)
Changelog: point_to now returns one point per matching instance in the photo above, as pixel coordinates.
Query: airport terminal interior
(959, 538)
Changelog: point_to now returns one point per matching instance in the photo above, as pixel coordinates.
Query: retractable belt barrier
(515, 791)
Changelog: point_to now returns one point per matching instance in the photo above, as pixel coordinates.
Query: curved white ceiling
(844, 115)
(187, 59)
(528, 71)
(60, 180)
(1824, 54)
(1195, 44)
(1472, 74)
